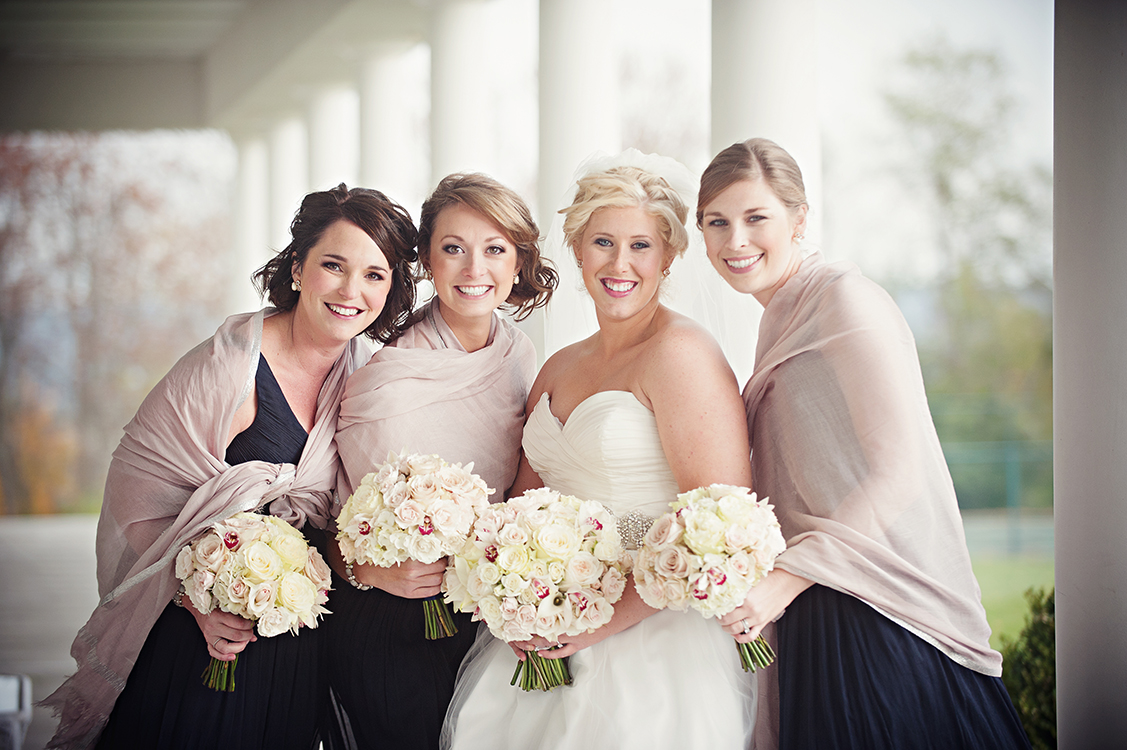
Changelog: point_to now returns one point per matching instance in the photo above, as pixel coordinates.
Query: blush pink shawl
(167, 483)
(844, 446)
(424, 393)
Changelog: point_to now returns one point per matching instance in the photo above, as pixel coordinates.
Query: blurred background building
(153, 152)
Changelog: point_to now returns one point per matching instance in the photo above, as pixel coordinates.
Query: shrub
(1030, 669)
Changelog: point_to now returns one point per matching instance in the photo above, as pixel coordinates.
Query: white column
(579, 93)
(289, 177)
(461, 116)
(579, 115)
(252, 222)
(334, 137)
(1090, 371)
(765, 84)
(388, 161)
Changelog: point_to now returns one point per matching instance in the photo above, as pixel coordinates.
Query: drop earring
(516, 279)
(295, 285)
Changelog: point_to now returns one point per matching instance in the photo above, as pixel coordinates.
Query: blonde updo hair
(753, 159)
(628, 187)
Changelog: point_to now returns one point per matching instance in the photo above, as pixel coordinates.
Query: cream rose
(583, 569)
(210, 552)
(261, 562)
(557, 540)
(296, 593)
(292, 550)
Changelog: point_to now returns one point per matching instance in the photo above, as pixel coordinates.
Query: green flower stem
(755, 655)
(220, 675)
(538, 673)
(438, 618)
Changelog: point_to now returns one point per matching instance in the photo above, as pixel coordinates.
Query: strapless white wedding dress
(671, 681)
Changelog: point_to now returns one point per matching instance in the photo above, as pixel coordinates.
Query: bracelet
(352, 578)
(178, 597)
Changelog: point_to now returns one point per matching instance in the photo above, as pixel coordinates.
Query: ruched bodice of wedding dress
(672, 680)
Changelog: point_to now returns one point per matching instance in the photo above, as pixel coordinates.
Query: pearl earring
(295, 285)
(799, 237)
(516, 279)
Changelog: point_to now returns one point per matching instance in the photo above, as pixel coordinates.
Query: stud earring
(665, 272)
(799, 237)
(295, 285)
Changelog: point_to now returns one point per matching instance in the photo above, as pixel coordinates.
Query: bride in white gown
(643, 409)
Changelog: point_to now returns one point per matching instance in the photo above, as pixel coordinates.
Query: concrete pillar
(333, 126)
(1089, 366)
(289, 177)
(252, 222)
(387, 129)
(765, 84)
(462, 122)
(579, 93)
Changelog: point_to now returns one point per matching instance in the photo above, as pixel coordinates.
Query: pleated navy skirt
(279, 692)
(390, 686)
(849, 677)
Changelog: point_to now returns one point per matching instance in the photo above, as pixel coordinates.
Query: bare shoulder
(556, 368)
(683, 347)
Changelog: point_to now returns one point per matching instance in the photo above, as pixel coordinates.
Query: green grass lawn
(1004, 581)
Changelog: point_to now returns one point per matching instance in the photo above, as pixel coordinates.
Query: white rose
(423, 464)
(672, 562)
(513, 559)
(409, 513)
(424, 548)
(261, 562)
(318, 570)
(663, 532)
(210, 552)
(512, 630)
(275, 621)
(293, 551)
(199, 590)
(557, 571)
(613, 584)
(185, 562)
(296, 593)
(261, 598)
(583, 569)
(477, 588)
(676, 593)
(395, 495)
(526, 617)
(704, 533)
(513, 583)
(557, 540)
(490, 610)
(238, 594)
(489, 573)
(512, 535)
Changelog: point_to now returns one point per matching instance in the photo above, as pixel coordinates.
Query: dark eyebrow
(344, 260)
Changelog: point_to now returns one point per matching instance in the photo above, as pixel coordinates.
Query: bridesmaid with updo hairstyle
(453, 384)
(882, 638)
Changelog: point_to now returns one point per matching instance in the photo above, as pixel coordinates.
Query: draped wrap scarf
(424, 393)
(168, 482)
(844, 446)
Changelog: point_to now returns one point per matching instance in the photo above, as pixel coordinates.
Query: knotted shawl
(168, 482)
(844, 446)
(424, 393)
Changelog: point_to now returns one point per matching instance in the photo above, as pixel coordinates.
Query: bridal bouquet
(259, 568)
(541, 564)
(707, 553)
(413, 507)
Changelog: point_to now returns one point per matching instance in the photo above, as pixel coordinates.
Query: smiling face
(623, 257)
(750, 236)
(473, 264)
(345, 280)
